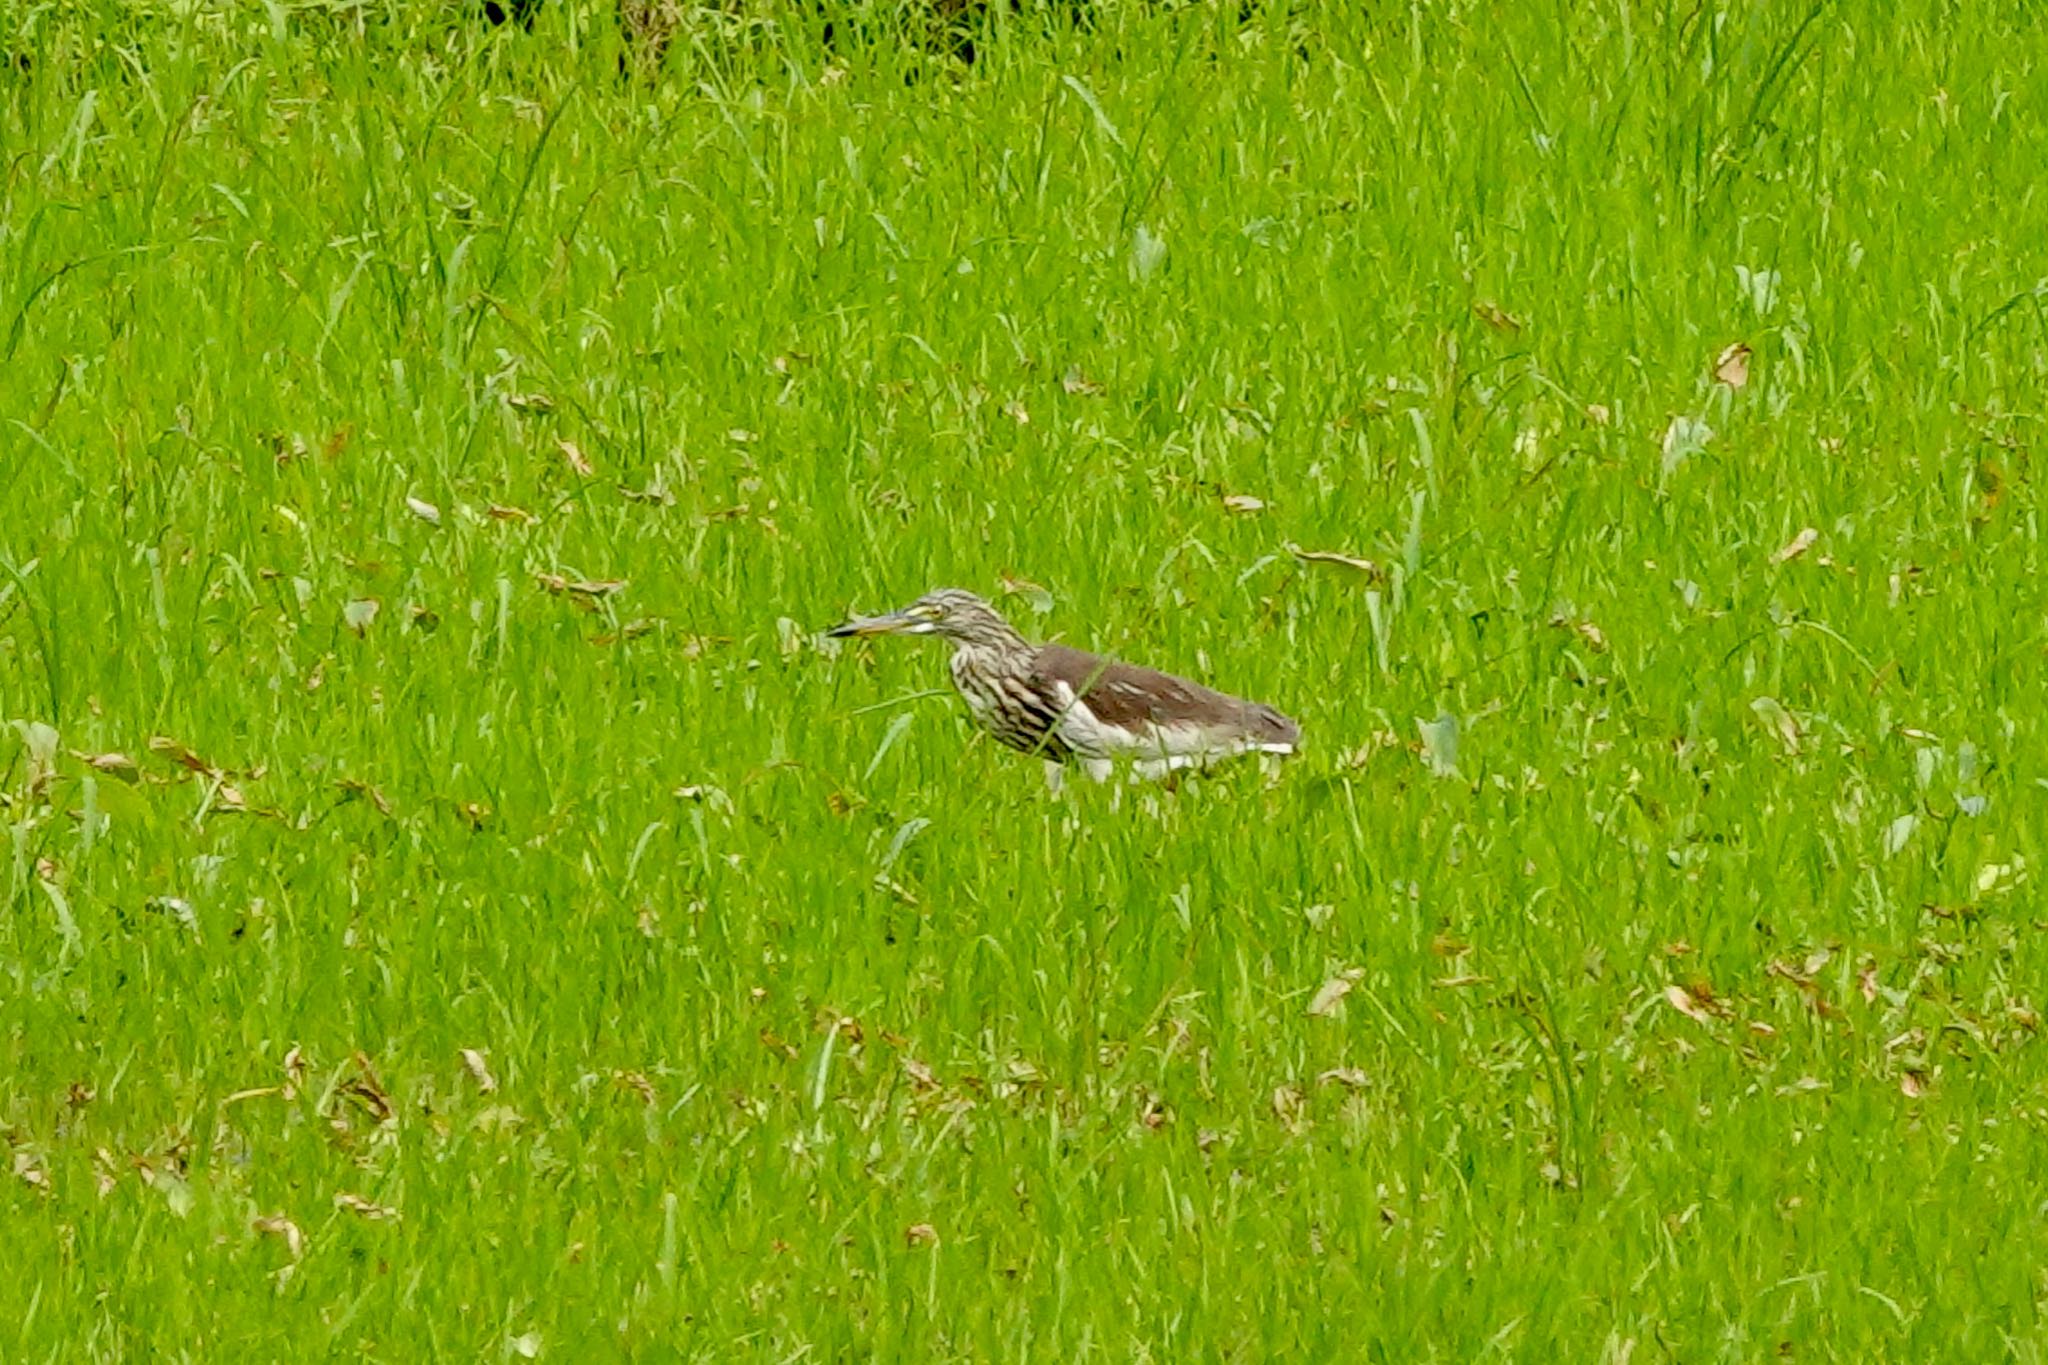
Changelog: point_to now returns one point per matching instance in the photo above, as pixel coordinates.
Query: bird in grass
(1075, 708)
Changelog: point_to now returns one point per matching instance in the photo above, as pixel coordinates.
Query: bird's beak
(890, 623)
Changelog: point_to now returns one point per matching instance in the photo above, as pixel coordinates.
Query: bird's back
(1131, 709)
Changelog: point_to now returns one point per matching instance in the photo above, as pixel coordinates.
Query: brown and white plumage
(1074, 707)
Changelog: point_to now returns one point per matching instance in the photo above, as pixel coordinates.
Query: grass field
(456, 905)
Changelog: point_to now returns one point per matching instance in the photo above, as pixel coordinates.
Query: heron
(1075, 708)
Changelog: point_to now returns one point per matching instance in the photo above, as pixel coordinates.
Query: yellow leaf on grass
(1731, 367)
(1796, 546)
(1333, 991)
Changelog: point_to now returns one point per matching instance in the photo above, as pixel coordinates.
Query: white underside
(1150, 754)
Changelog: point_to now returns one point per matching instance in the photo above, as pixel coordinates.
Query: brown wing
(1130, 697)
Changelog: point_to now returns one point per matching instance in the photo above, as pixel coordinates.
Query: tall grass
(1644, 959)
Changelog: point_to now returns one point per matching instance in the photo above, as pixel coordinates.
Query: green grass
(817, 1029)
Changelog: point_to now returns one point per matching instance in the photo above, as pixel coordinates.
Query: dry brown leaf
(1796, 546)
(113, 765)
(1731, 367)
(30, 1171)
(581, 587)
(573, 453)
(920, 1235)
(1333, 991)
(920, 1074)
(1333, 557)
(1687, 1004)
(1912, 1084)
(531, 402)
(499, 511)
(294, 1071)
(364, 1208)
(367, 1090)
(1866, 982)
(1350, 1077)
(1289, 1104)
(167, 748)
(479, 1071)
(279, 1226)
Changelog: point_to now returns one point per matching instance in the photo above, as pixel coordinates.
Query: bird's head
(955, 613)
